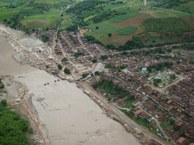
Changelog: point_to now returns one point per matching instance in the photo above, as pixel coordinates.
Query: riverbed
(66, 114)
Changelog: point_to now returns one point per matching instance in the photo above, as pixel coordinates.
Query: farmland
(110, 22)
(123, 20)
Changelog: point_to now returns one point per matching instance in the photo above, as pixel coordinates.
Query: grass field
(139, 19)
(175, 25)
(42, 20)
(37, 14)
(110, 22)
(188, 8)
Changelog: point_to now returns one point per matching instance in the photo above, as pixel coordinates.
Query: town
(153, 86)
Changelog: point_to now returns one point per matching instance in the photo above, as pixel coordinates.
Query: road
(149, 48)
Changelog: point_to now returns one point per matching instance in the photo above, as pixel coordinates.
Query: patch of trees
(113, 90)
(67, 71)
(103, 57)
(157, 81)
(86, 8)
(135, 43)
(14, 21)
(115, 68)
(44, 38)
(13, 129)
(188, 38)
(150, 52)
(185, 47)
(160, 66)
(64, 60)
(59, 66)
(92, 39)
(78, 54)
(85, 75)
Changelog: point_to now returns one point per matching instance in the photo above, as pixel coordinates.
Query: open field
(118, 19)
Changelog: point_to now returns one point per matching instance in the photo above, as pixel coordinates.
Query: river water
(66, 114)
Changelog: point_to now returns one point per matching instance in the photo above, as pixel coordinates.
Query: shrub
(67, 71)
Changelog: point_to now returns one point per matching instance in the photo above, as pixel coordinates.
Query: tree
(103, 57)
(64, 60)
(172, 76)
(110, 35)
(4, 103)
(67, 71)
(157, 81)
(94, 60)
(85, 75)
(45, 38)
(59, 66)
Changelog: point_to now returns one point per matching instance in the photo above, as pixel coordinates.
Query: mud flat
(66, 114)
(69, 116)
(8, 66)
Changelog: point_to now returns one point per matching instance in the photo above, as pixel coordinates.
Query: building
(144, 70)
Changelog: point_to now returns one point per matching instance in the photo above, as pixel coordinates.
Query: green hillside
(111, 22)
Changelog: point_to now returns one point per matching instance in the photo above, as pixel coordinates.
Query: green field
(175, 25)
(34, 15)
(42, 20)
(188, 8)
(111, 22)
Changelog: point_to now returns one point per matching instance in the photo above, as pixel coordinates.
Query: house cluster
(169, 109)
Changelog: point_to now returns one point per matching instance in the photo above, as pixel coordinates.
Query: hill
(115, 23)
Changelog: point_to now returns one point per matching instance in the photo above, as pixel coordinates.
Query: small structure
(145, 2)
(58, 51)
(182, 141)
(144, 70)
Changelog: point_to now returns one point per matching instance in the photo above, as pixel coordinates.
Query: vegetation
(168, 3)
(140, 121)
(188, 7)
(114, 68)
(45, 38)
(13, 129)
(31, 16)
(112, 90)
(67, 71)
(119, 25)
(160, 66)
(78, 54)
(166, 124)
(59, 66)
(64, 60)
(176, 25)
(85, 75)
(157, 81)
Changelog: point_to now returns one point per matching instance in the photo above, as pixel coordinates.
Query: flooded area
(65, 113)
(8, 66)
